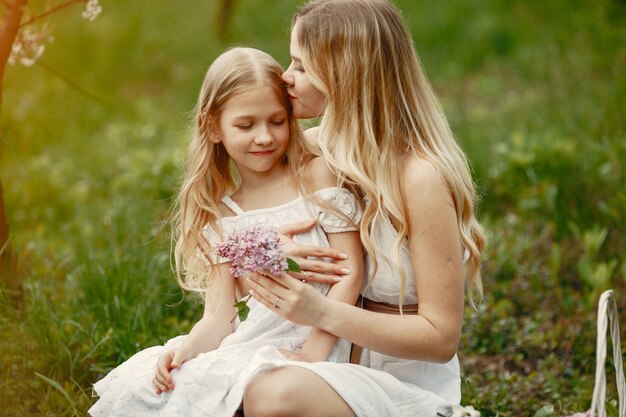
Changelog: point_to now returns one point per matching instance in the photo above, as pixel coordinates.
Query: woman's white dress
(386, 386)
(213, 383)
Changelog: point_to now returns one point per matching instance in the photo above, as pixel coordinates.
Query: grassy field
(535, 93)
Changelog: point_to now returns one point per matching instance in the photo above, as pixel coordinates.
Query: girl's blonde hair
(381, 109)
(208, 171)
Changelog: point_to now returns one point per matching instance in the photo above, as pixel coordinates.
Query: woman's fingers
(307, 276)
(322, 267)
(266, 290)
(292, 299)
(297, 228)
(305, 251)
(293, 249)
(262, 296)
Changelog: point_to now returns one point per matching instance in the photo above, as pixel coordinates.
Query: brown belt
(377, 307)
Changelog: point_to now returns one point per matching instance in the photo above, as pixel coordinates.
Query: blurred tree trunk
(8, 31)
(8, 259)
(10, 26)
(225, 9)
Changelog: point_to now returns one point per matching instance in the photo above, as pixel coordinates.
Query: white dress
(386, 386)
(213, 383)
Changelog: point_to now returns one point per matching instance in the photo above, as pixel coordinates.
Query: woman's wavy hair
(381, 109)
(208, 171)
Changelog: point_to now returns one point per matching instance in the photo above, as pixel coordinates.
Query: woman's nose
(288, 76)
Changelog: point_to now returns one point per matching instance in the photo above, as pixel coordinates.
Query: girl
(237, 175)
(382, 129)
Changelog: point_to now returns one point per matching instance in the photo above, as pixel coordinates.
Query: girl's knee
(271, 393)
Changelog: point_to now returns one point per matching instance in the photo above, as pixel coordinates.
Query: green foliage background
(534, 91)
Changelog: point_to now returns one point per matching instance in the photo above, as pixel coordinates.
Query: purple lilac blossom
(253, 249)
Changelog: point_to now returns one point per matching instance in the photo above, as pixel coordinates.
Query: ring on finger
(276, 302)
(304, 274)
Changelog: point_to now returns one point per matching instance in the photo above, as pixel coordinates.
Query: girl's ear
(214, 136)
(214, 130)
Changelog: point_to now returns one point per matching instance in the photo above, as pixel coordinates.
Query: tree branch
(69, 82)
(50, 11)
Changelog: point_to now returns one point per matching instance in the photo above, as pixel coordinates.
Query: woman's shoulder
(420, 172)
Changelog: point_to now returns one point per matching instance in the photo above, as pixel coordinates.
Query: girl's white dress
(212, 384)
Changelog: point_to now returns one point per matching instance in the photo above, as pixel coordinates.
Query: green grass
(534, 92)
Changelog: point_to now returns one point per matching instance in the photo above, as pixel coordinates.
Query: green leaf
(611, 408)
(242, 309)
(293, 265)
(243, 312)
(59, 388)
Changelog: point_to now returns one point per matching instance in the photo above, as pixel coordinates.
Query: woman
(384, 135)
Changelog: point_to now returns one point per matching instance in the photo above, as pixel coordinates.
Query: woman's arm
(435, 249)
(207, 333)
(319, 345)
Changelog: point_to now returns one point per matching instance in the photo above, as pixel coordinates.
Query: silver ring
(276, 302)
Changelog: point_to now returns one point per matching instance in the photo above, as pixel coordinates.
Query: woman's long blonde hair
(381, 109)
(208, 171)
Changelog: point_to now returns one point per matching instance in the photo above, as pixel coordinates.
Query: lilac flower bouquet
(254, 249)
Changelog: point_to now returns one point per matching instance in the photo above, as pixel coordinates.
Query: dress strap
(232, 205)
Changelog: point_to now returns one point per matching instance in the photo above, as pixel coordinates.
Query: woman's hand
(324, 272)
(168, 361)
(293, 300)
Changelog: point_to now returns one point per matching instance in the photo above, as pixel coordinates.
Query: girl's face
(306, 100)
(254, 129)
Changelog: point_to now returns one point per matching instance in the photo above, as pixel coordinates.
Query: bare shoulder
(422, 182)
(318, 175)
(311, 136)
(421, 172)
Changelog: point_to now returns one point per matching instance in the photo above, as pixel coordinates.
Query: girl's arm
(319, 345)
(207, 333)
(436, 258)
(346, 290)
(216, 322)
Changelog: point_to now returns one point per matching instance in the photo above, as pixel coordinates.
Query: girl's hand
(324, 272)
(293, 300)
(171, 359)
